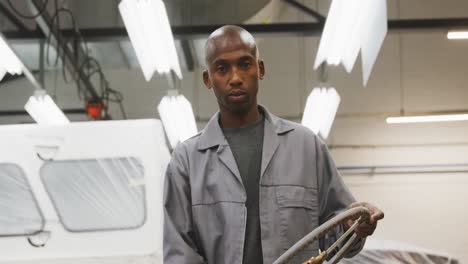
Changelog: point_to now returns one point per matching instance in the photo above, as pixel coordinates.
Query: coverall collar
(213, 134)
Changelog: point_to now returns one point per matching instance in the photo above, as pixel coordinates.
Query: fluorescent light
(331, 106)
(39, 106)
(177, 117)
(149, 31)
(43, 109)
(457, 35)
(313, 111)
(320, 110)
(9, 62)
(352, 26)
(427, 118)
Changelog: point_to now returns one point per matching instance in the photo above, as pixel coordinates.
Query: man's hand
(367, 228)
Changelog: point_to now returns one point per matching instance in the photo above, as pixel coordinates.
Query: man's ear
(261, 68)
(206, 79)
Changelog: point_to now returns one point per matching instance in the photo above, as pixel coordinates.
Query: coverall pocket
(298, 213)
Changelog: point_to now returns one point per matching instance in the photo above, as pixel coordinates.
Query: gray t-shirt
(246, 144)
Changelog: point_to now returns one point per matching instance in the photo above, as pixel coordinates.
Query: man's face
(233, 71)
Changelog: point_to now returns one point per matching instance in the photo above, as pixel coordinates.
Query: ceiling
(100, 23)
(117, 53)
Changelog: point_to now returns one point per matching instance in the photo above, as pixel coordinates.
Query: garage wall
(423, 205)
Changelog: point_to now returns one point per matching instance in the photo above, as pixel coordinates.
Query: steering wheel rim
(360, 214)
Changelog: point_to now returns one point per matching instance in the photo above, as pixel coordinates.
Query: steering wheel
(359, 214)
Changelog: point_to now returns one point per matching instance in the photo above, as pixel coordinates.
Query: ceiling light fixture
(9, 63)
(177, 117)
(320, 110)
(150, 33)
(352, 26)
(43, 109)
(457, 35)
(39, 106)
(426, 118)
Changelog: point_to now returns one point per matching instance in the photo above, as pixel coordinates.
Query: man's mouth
(236, 92)
(237, 95)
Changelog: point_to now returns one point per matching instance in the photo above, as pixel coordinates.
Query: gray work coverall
(204, 198)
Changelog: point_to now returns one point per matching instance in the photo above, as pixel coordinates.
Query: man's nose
(236, 79)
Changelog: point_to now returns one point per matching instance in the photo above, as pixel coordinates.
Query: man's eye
(221, 69)
(245, 65)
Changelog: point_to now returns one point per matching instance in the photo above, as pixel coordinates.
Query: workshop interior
(96, 95)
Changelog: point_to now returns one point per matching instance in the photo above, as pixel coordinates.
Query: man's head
(233, 69)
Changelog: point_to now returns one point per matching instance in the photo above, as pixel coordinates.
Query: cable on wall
(84, 62)
(40, 11)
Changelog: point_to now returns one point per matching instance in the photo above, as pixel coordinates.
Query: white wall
(425, 210)
(424, 206)
(416, 71)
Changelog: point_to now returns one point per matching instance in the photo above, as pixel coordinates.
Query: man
(249, 185)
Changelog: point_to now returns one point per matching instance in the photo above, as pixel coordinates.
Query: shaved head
(233, 71)
(229, 38)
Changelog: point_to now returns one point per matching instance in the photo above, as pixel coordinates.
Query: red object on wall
(96, 110)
